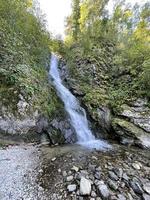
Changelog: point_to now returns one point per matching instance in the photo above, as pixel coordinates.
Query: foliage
(118, 44)
(24, 56)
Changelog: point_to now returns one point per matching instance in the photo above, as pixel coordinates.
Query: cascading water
(76, 112)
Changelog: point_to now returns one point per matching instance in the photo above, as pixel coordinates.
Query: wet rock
(71, 188)
(146, 187)
(104, 118)
(112, 175)
(112, 185)
(85, 186)
(136, 187)
(69, 178)
(103, 190)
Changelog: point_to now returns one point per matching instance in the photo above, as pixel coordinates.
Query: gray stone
(93, 194)
(64, 173)
(121, 197)
(146, 187)
(113, 176)
(125, 177)
(129, 196)
(97, 175)
(136, 166)
(69, 178)
(98, 169)
(136, 187)
(112, 185)
(74, 168)
(53, 159)
(118, 172)
(103, 191)
(92, 167)
(71, 188)
(85, 186)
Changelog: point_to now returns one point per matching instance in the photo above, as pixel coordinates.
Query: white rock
(136, 166)
(53, 159)
(69, 178)
(71, 188)
(85, 186)
(74, 168)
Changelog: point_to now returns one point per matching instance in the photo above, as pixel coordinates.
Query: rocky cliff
(114, 114)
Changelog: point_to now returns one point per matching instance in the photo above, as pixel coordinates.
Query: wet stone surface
(29, 172)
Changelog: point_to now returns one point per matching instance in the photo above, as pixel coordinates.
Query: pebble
(64, 173)
(125, 177)
(74, 168)
(85, 186)
(71, 188)
(121, 197)
(53, 159)
(93, 194)
(69, 178)
(112, 185)
(136, 187)
(113, 176)
(136, 166)
(118, 172)
(97, 175)
(94, 158)
(129, 196)
(98, 168)
(103, 191)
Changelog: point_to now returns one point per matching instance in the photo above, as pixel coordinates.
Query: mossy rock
(127, 129)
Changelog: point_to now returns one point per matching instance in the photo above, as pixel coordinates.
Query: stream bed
(35, 172)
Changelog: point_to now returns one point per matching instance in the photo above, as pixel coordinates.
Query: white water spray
(76, 113)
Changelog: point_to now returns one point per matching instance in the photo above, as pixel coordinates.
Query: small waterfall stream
(76, 113)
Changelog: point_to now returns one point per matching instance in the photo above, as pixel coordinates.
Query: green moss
(128, 127)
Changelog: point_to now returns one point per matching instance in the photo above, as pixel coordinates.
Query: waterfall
(76, 113)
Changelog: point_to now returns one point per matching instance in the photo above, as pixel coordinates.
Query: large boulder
(138, 113)
(128, 133)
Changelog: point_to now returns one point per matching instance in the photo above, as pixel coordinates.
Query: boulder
(85, 186)
(129, 132)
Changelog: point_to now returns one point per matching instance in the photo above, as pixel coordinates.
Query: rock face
(139, 114)
(30, 125)
(133, 124)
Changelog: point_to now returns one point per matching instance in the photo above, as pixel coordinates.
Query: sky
(57, 10)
